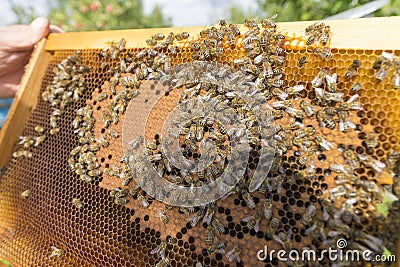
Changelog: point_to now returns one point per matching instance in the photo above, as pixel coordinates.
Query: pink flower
(84, 8)
(109, 8)
(94, 6)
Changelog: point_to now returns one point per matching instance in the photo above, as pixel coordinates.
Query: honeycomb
(53, 216)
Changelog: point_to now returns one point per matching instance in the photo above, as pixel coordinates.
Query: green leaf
(383, 208)
(6, 263)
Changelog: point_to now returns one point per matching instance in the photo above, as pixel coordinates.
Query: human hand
(16, 45)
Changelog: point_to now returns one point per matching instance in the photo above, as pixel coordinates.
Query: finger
(56, 29)
(22, 37)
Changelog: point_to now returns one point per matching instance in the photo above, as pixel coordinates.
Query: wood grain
(365, 33)
(24, 101)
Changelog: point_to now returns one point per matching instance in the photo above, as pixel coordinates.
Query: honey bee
(351, 158)
(344, 123)
(284, 240)
(249, 200)
(181, 36)
(164, 262)
(295, 113)
(351, 72)
(219, 247)
(325, 36)
(323, 143)
(308, 110)
(26, 193)
(194, 220)
(268, 209)
(160, 249)
(77, 203)
(396, 80)
(371, 141)
(302, 61)
(273, 227)
(371, 162)
(281, 104)
(295, 89)
(56, 252)
(317, 26)
(54, 130)
(162, 216)
(234, 254)
(324, 53)
(143, 201)
(356, 87)
(234, 29)
(103, 141)
(319, 78)
(218, 226)
(253, 222)
(324, 120)
(308, 216)
(210, 235)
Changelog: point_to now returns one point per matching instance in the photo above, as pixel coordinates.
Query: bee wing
(246, 219)
(257, 226)
(353, 98)
(155, 250)
(319, 92)
(298, 88)
(238, 258)
(331, 79)
(278, 239)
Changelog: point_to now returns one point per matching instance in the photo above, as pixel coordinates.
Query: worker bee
(284, 239)
(77, 203)
(319, 78)
(325, 120)
(351, 72)
(324, 53)
(269, 23)
(371, 162)
(312, 40)
(281, 104)
(113, 133)
(309, 111)
(234, 254)
(164, 262)
(54, 130)
(249, 200)
(26, 193)
(56, 252)
(103, 141)
(162, 216)
(356, 87)
(268, 209)
(302, 61)
(160, 249)
(218, 226)
(314, 27)
(309, 215)
(325, 36)
(234, 29)
(39, 129)
(253, 222)
(295, 89)
(143, 201)
(371, 141)
(323, 143)
(210, 235)
(216, 248)
(295, 113)
(181, 36)
(351, 158)
(344, 123)
(273, 227)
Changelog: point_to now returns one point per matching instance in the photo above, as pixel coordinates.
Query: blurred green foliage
(5, 263)
(294, 10)
(76, 15)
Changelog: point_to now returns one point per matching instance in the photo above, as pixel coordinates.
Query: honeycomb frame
(107, 239)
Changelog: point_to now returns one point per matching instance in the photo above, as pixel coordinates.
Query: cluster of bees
(261, 68)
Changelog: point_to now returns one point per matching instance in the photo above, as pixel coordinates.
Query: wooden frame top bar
(365, 33)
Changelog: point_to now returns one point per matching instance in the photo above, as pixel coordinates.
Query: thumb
(23, 37)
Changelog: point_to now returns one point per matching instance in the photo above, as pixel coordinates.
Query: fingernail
(40, 23)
